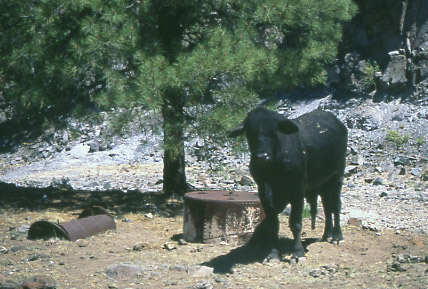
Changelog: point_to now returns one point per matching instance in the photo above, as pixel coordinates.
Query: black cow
(292, 160)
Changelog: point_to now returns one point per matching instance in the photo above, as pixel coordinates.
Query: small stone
(33, 258)
(357, 160)
(140, 246)
(245, 181)
(203, 285)
(3, 250)
(350, 170)
(182, 242)
(149, 215)
(377, 182)
(94, 147)
(424, 175)
(387, 167)
(383, 194)
(178, 268)
(82, 243)
(315, 273)
(200, 271)
(17, 248)
(416, 172)
(23, 229)
(403, 161)
(123, 270)
(169, 246)
(396, 267)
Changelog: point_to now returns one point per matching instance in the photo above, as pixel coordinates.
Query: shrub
(396, 138)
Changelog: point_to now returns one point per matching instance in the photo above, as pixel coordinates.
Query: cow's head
(262, 128)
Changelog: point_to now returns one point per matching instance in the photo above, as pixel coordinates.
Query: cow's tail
(313, 202)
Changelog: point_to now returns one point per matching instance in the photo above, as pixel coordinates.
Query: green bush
(397, 138)
(368, 80)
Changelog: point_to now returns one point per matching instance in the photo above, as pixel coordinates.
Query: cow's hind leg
(312, 199)
(332, 206)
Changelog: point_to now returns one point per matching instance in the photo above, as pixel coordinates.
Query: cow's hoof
(338, 243)
(297, 260)
(273, 257)
(327, 239)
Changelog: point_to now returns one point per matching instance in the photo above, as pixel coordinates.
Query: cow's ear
(287, 126)
(237, 131)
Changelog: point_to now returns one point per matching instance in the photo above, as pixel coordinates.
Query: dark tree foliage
(199, 62)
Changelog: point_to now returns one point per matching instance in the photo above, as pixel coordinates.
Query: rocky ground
(145, 252)
(385, 203)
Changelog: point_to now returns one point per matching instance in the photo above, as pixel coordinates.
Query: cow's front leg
(266, 233)
(298, 252)
(273, 223)
(266, 236)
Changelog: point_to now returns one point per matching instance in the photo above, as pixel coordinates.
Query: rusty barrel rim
(44, 229)
(223, 196)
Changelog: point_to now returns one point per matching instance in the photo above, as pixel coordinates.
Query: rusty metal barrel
(210, 216)
(91, 221)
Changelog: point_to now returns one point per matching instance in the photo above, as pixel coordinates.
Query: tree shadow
(14, 132)
(248, 254)
(116, 202)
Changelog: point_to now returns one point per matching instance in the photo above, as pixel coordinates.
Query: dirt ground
(366, 260)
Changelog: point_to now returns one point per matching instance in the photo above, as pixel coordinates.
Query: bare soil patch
(367, 259)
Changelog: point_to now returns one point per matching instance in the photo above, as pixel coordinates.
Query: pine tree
(217, 57)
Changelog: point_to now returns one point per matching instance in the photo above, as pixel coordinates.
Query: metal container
(92, 221)
(210, 216)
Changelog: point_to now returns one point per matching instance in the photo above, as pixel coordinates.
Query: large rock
(394, 76)
(394, 34)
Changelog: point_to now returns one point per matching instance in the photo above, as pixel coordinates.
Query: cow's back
(324, 139)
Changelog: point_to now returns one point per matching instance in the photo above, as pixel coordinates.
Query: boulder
(393, 34)
(394, 76)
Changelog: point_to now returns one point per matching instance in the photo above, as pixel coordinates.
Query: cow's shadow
(248, 254)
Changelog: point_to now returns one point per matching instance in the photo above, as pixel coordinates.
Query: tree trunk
(174, 176)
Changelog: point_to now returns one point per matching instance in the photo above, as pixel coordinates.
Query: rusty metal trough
(90, 222)
(210, 216)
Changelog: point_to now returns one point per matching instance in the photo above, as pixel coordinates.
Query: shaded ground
(367, 259)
